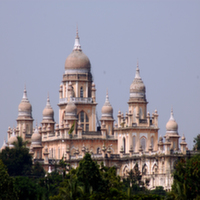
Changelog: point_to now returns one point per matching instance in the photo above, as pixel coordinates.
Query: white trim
(143, 134)
(134, 134)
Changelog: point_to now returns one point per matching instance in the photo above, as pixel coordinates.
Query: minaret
(172, 132)
(137, 101)
(48, 119)
(24, 119)
(107, 116)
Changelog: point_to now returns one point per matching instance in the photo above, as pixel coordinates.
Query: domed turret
(4, 145)
(70, 110)
(107, 110)
(77, 61)
(12, 139)
(172, 126)
(48, 113)
(36, 138)
(137, 88)
(25, 108)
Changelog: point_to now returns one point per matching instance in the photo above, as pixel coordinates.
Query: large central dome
(77, 61)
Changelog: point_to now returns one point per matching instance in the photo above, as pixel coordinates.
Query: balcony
(76, 100)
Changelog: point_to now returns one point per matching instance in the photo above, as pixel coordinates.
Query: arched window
(152, 142)
(98, 150)
(84, 121)
(134, 114)
(143, 143)
(81, 92)
(124, 145)
(133, 143)
(58, 152)
(140, 113)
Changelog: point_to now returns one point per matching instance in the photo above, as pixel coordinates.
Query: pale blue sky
(37, 36)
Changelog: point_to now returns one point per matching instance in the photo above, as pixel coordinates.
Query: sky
(164, 36)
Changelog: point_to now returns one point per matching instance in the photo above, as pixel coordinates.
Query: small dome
(25, 108)
(172, 126)
(71, 109)
(48, 113)
(36, 138)
(77, 61)
(137, 88)
(12, 139)
(4, 145)
(107, 110)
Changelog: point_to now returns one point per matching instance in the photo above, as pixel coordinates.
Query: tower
(77, 86)
(24, 119)
(137, 131)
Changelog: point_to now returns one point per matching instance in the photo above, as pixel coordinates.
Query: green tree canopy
(6, 184)
(17, 160)
(197, 142)
(187, 178)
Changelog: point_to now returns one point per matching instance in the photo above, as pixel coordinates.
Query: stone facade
(133, 139)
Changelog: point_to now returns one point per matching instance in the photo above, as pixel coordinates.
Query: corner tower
(77, 86)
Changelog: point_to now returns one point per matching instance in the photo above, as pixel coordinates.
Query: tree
(187, 178)
(27, 189)
(6, 184)
(88, 174)
(17, 159)
(197, 142)
(38, 171)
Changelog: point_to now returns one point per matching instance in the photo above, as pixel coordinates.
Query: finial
(137, 63)
(172, 114)
(48, 101)
(137, 74)
(36, 126)
(77, 31)
(25, 93)
(77, 46)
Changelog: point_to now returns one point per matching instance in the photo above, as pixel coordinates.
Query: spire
(107, 102)
(137, 74)
(172, 115)
(48, 102)
(77, 46)
(24, 98)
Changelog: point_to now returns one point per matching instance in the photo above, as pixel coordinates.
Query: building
(133, 139)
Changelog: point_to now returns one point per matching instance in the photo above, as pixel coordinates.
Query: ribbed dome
(77, 61)
(25, 108)
(172, 126)
(36, 138)
(137, 88)
(12, 139)
(48, 113)
(71, 109)
(107, 110)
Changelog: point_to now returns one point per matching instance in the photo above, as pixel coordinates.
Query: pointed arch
(134, 142)
(143, 143)
(124, 144)
(84, 119)
(81, 92)
(152, 142)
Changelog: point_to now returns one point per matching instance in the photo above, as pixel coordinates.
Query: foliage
(159, 191)
(18, 160)
(197, 142)
(6, 184)
(133, 183)
(187, 178)
(27, 189)
(38, 171)
(51, 184)
(88, 175)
